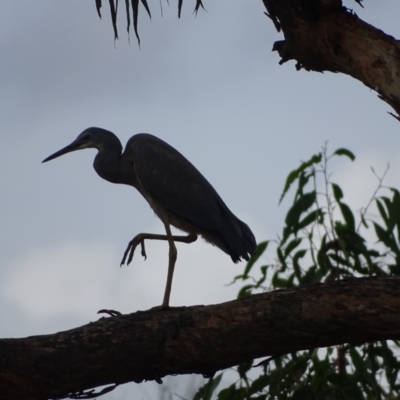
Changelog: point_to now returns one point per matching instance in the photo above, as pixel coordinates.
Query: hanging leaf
(386, 238)
(337, 192)
(345, 152)
(260, 249)
(348, 216)
(315, 159)
(300, 206)
(113, 12)
(98, 6)
(291, 246)
(309, 219)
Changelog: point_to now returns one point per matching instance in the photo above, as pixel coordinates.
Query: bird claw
(130, 250)
(111, 313)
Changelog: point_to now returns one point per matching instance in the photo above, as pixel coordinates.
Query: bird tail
(243, 245)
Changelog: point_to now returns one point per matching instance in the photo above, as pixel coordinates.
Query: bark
(323, 35)
(200, 339)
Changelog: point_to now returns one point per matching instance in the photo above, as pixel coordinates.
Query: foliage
(323, 240)
(132, 6)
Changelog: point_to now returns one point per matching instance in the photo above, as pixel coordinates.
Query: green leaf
(362, 372)
(263, 270)
(315, 159)
(394, 269)
(396, 208)
(357, 360)
(260, 249)
(296, 266)
(348, 216)
(340, 260)
(303, 180)
(231, 393)
(337, 192)
(207, 390)
(291, 246)
(386, 238)
(278, 282)
(393, 207)
(299, 207)
(260, 383)
(245, 291)
(345, 152)
(312, 275)
(382, 211)
(262, 397)
(364, 221)
(309, 219)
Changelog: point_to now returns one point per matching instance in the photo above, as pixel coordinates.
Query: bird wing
(175, 184)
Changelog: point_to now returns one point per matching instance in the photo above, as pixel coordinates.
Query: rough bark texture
(150, 345)
(322, 35)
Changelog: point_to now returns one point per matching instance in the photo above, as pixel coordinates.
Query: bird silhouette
(177, 192)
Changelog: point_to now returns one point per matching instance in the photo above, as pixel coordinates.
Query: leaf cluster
(322, 240)
(132, 6)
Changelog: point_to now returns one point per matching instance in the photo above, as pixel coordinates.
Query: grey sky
(212, 88)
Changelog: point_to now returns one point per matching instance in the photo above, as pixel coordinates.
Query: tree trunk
(200, 339)
(323, 35)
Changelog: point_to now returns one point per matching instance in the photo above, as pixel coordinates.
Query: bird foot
(111, 313)
(130, 250)
(160, 308)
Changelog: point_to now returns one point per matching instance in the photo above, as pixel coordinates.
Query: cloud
(80, 278)
(70, 278)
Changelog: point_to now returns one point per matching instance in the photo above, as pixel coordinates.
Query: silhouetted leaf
(296, 266)
(302, 204)
(382, 211)
(345, 152)
(263, 270)
(386, 238)
(291, 246)
(98, 6)
(206, 391)
(244, 367)
(348, 216)
(339, 260)
(278, 282)
(199, 4)
(260, 249)
(337, 192)
(135, 15)
(309, 219)
(396, 210)
(245, 291)
(260, 383)
(231, 393)
(393, 210)
(303, 180)
(113, 12)
(315, 159)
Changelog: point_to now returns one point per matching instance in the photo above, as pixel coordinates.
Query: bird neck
(107, 164)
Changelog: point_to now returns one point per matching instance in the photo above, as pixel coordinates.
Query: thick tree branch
(150, 345)
(322, 35)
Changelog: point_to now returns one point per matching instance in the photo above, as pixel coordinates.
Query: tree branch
(323, 35)
(152, 344)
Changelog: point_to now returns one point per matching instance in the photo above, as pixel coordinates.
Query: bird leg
(141, 237)
(173, 253)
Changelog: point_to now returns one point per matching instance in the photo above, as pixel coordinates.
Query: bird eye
(86, 137)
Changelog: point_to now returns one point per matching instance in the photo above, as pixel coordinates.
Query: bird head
(89, 138)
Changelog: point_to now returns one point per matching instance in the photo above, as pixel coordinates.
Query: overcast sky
(211, 87)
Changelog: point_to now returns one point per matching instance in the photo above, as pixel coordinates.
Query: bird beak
(67, 149)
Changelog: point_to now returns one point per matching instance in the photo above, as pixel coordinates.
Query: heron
(176, 191)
